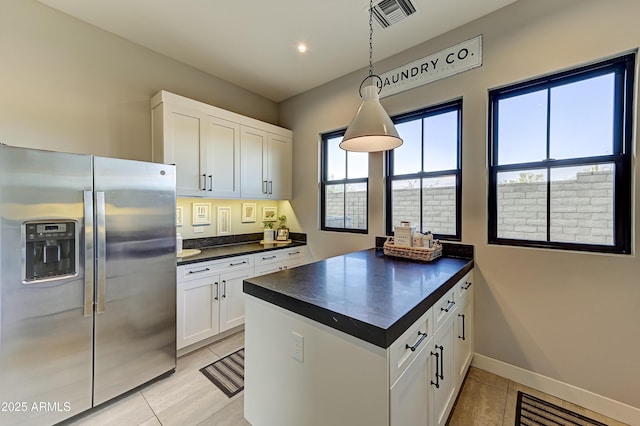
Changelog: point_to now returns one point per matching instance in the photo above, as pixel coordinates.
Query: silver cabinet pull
(216, 290)
(210, 182)
(270, 257)
(449, 307)
(415, 346)
(467, 285)
(238, 263)
(204, 182)
(294, 253)
(224, 289)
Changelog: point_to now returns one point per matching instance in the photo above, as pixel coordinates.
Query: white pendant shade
(371, 130)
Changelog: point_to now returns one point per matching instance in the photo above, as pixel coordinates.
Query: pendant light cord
(370, 38)
(371, 74)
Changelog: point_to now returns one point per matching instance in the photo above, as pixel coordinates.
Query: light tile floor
(189, 398)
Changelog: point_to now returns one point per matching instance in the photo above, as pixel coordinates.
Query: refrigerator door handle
(101, 248)
(88, 253)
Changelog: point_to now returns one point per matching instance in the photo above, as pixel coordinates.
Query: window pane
(582, 204)
(441, 142)
(522, 205)
(357, 165)
(406, 158)
(439, 205)
(405, 202)
(582, 118)
(522, 128)
(334, 206)
(336, 160)
(356, 206)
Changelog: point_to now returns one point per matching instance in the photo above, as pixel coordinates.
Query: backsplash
(196, 243)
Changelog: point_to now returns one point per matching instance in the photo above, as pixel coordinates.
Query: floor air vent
(388, 12)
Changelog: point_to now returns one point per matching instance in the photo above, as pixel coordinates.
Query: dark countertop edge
(202, 257)
(367, 332)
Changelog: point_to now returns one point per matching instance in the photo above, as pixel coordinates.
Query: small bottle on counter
(417, 239)
(427, 240)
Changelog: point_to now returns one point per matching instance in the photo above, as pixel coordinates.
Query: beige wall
(68, 86)
(570, 316)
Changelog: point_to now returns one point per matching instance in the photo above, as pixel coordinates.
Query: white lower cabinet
(431, 379)
(210, 298)
(464, 334)
(409, 396)
(278, 260)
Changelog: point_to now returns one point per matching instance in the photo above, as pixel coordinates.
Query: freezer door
(45, 325)
(135, 274)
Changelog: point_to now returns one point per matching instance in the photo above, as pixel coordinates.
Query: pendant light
(371, 129)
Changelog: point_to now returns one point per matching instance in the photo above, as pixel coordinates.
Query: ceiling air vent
(388, 12)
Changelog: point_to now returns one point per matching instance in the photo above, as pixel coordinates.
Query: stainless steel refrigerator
(87, 281)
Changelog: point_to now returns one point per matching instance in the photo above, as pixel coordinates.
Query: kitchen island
(328, 342)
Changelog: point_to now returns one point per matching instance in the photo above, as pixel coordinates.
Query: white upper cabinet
(266, 164)
(222, 157)
(218, 153)
(279, 166)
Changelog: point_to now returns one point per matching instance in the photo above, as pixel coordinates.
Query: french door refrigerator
(87, 281)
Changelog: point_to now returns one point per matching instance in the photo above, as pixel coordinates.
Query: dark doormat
(534, 411)
(227, 373)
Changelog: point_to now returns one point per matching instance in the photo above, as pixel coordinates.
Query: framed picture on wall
(179, 215)
(224, 220)
(248, 212)
(201, 213)
(269, 214)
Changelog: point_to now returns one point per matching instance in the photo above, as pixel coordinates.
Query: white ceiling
(252, 43)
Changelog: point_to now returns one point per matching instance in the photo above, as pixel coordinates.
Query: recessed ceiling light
(302, 48)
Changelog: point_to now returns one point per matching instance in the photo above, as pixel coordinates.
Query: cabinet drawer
(464, 289)
(443, 309)
(279, 255)
(404, 350)
(204, 269)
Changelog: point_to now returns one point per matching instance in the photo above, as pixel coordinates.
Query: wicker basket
(423, 254)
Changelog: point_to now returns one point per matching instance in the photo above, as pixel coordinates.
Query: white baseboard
(584, 398)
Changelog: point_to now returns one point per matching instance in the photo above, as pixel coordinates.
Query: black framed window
(344, 187)
(424, 175)
(560, 159)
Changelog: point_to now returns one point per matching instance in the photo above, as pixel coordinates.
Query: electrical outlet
(297, 349)
(198, 230)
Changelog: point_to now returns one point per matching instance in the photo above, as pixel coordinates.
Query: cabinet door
(463, 340)
(197, 310)
(279, 167)
(221, 158)
(232, 298)
(409, 399)
(253, 163)
(444, 394)
(182, 145)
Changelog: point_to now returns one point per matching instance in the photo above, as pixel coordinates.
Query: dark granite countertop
(231, 250)
(365, 294)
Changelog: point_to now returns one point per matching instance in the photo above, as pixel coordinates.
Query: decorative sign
(456, 59)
